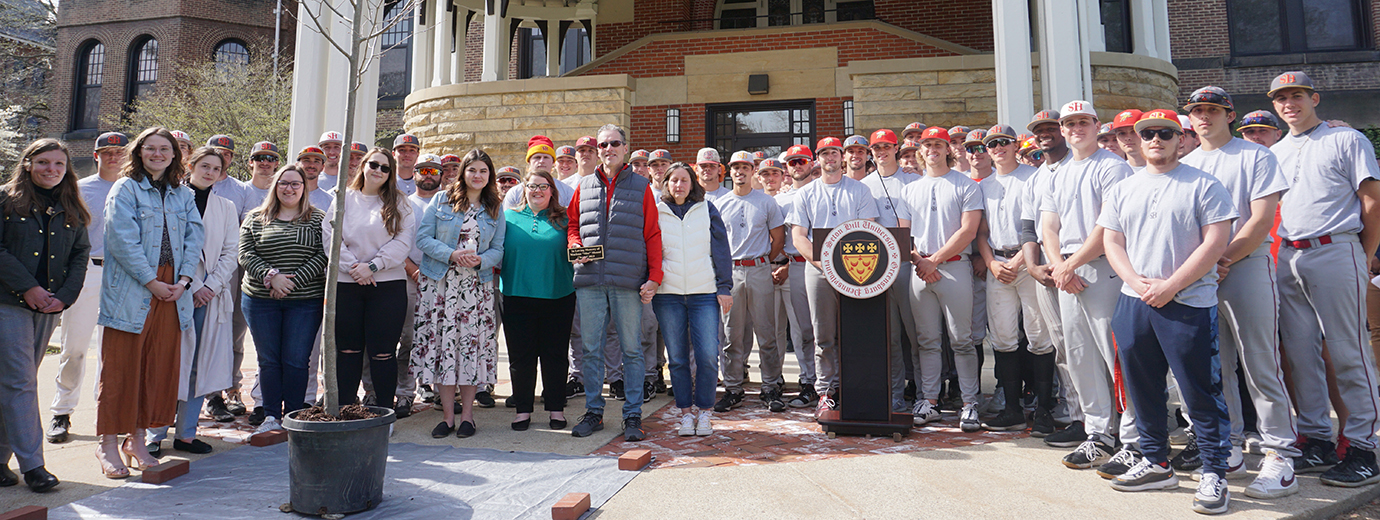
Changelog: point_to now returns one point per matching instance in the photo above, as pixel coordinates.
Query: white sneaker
(1255, 443)
(1145, 476)
(687, 425)
(1213, 496)
(270, 423)
(924, 412)
(1276, 478)
(1236, 466)
(968, 419)
(702, 426)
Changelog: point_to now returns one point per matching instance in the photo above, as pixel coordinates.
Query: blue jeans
(284, 331)
(623, 307)
(188, 409)
(690, 321)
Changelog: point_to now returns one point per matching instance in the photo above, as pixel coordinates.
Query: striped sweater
(293, 248)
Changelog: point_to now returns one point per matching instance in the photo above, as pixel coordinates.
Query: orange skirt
(139, 372)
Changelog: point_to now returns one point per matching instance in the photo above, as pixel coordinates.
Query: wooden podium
(864, 400)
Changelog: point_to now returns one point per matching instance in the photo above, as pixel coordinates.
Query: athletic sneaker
(1212, 496)
(1179, 437)
(1043, 424)
(1318, 455)
(1236, 466)
(924, 412)
(1126, 458)
(215, 407)
(1190, 458)
(632, 429)
(968, 418)
(825, 404)
(1010, 418)
(616, 391)
(702, 426)
(772, 399)
(1356, 470)
(729, 401)
(1088, 454)
(648, 390)
(687, 425)
(589, 424)
(270, 423)
(1276, 478)
(1145, 476)
(1068, 437)
(805, 399)
(574, 388)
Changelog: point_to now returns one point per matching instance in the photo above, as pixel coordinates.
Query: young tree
(28, 29)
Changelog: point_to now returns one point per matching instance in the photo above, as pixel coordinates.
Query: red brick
(268, 438)
(166, 471)
(570, 507)
(26, 513)
(634, 460)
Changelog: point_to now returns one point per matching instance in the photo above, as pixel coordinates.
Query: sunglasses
(264, 158)
(976, 148)
(607, 144)
(427, 171)
(507, 180)
(999, 142)
(797, 162)
(374, 165)
(1164, 134)
(295, 185)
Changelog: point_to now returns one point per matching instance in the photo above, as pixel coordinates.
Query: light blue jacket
(134, 217)
(439, 235)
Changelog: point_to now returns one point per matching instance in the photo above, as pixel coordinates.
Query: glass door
(770, 127)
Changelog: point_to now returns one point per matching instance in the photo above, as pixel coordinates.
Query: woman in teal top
(538, 299)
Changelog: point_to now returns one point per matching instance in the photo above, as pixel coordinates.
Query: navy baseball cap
(1209, 95)
(406, 139)
(112, 140)
(221, 142)
(1258, 119)
(1291, 79)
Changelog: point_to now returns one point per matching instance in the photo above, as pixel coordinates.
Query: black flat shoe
(558, 424)
(156, 449)
(521, 426)
(196, 446)
(442, 430)
(465, 429)
(7, 477)
(39, 480)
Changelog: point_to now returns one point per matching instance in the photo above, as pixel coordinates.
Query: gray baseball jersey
(1036, 187)
(1076, 194)
(1247, 170)
(935, 206)
(1004, 197)
(713, 196)
(887, 191)
(823, 205)
(1324, 166)
(749, 220)
(786, 200)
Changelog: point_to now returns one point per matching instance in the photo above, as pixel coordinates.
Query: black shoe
(773, 401)
(403, 408)
(574, 388)
(1318, 455)
(1356, 470)
(57, 431)
(557, 424)
(648, 390)
(523, 425)
(215, 407)
(589, 424)
(509, 402)
(909, 393)
(616, 391)
(155, 449)
(1043, 423)
(465, 429)
(1121, 462)
(1190, 458)
(234, 405)
(670, 391)
(257, 417)
(7, 477)
(196, 446)
(659, 386)
(442, 430)
(484, 399)
(805, 399)
(370, 399)
(633, 432)
(1010, 419)
(1068, 437)
(39, 480)
(729, 401)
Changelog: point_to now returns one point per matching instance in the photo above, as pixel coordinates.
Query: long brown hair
(555, 212)
(202, 153)
(23, 199)
(458, 192)
(134, 162)
(388, 193)
(269, 209)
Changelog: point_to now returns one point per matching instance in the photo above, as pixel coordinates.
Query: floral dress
(455, 339)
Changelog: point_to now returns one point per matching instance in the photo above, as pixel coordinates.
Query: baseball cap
(1293, 78)
(976, 136)
(741, 157)
(1077, 107)
(565, 151)
(913, 128)
(959, 130)
(1041, 117)
(1258, 119)
(771, 164)
(1184, 123)
(854, 140)
(1106, 129)
(181, 136)
(1160, 117)
(639, 155)
(999, 131)
(406, 139)
(586, 141)
(1126, 118)
(758, 155)
(828, 143)
(1209, 95)
(450, 158)
(311, 151)
(883, 136)
(265, 148)
(1027, 145)
(798, 151)
(509, 171)
(222, 142)
(112, 140)
(707, 155)
(659, 155)
(1023, 136)
(330, 137)
(909, 144)
(429, 160)
(934, 132)
(358, 147)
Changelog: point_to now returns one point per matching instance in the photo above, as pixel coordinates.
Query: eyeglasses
(164, 150)
(264, 158)
(380, 167)
(976, 148)
(292, 185)
(426, 172)
(999, 142)
(797, 162)
(1164, 134)
(538, 187)
(607, 144)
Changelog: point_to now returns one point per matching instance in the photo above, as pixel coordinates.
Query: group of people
(1106, 266)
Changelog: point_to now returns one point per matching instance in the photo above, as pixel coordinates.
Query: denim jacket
(134, 218)
(439, 235)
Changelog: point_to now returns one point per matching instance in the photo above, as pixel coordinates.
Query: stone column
(1065, 68)
(441, 54)
(1015, 91)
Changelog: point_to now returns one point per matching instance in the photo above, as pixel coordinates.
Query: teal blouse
(534, 261)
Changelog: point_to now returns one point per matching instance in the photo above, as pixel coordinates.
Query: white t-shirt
(749, 220)
(1162, 216)
(1076, 194)
(887, 191)
(1036, 187)
(1004, 197)
(94, 191)
(935, 206)
(418, 208)
(1247, 170)
(1324, 167)
(823, 205)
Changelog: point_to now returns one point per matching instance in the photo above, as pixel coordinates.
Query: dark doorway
(770, 127)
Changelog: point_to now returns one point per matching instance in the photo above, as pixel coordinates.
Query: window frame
(1293, 35)
(405, 43)
(133, 72)
(80, 87)
(797, 12)
(216, 53)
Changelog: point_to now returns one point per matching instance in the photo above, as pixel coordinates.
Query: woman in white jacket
(207, 350)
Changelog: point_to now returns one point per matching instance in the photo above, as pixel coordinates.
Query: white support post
(308, 74)
(1143, 37)
(441, 48)
(1094, 34)
(1015, 91)
(1161, 25)
(367, 97)
(337, 78)
(457, 59)
(496, 47)
(421, 48)
(1065, 71)
(553, 48)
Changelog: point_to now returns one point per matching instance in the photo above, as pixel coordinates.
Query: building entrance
(769, 127)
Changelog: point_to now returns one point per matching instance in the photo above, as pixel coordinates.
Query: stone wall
(501, 116)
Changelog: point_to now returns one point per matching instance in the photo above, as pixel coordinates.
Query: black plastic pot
(337, 467)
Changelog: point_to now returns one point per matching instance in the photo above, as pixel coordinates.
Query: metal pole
(277, 35)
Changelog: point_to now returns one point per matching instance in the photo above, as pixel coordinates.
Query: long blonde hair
(272, 204)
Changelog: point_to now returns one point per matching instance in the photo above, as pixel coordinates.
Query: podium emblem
(861, 258)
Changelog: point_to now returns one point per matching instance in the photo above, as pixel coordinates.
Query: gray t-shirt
(822, 205)
(786, 199)
(887, 191)
(1036, 188)
(408, 186)
(327, 182)
(1076, 193)
(253, 196)
(749, 220)
(514, 196)
(713, 196)
(1324, 167)
(1004, 197)
(234, 191)
(94, 191)
(1248, 171)
(1162, 216)
(935, 206)
(322, 199)
(418, 208)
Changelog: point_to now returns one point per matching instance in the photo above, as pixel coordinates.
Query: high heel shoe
(108, 454)
(136, 454)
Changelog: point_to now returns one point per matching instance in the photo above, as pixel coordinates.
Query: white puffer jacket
(686, 263)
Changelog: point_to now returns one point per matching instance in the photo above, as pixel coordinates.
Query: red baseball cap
(586, 141)
(935, 132)
(798, 151)
(883, 136)
(829, 143)
(1127, 118)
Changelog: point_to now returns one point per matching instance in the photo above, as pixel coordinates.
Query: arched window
(739, 14)
(143, 68)
(87, 86)
(231, 56)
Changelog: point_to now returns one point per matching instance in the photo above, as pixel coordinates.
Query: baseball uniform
(750, 219)
(887, 191)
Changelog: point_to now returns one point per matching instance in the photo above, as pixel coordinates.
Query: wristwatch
(188, 285)
(373, 268)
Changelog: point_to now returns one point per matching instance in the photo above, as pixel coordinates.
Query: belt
(751, 262)
(1007, 253)
(954, 259)
(1309, 242)
(797, 258)
(97, 261)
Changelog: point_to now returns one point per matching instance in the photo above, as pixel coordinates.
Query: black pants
(369, 319)
(538, 329)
